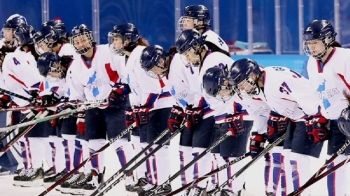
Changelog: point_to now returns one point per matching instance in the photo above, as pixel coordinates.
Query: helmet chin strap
(326, 47)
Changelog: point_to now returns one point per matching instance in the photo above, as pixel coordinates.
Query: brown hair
(142, 42)
(336, 44)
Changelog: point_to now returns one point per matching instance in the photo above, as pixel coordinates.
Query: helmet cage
(111, 36)
(90, 38)
(327, 42)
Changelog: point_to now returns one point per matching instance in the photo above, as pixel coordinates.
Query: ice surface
(254, 180)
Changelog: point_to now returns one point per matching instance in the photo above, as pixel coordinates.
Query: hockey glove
(118, 95)
(316, 127)
(193, 116)
(235, 124)
(34, 93)
(176, 117)
(5, 101)
(81, 122)
(141, 115)
(276, 126)
(257, 144)
(50, 99)
(129, 117)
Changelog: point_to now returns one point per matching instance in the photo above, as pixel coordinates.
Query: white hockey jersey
(328, 81)
(214, 38)
(53, 85)
(287, 93)
(221, 108)
(148, 91)
(94, 81)
(20, 74)
(67, 49)
(185, 86)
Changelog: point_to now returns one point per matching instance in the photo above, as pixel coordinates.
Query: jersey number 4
(15, 61)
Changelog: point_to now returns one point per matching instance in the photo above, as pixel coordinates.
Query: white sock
(185, 157)
(60, 161)
(69, 146)
(98, 162)
(337, 181)
(86, 154)
(201, 166)
(288, 170)
(300, 171)
(48, 152)
(161, 165)
(37, 150)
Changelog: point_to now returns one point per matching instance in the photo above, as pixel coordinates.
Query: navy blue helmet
(213, 81)
(128, 32)
(45, 39)
(23, 35)
(199, 13)
(319, 30)
(344, 121)
(15, 21)
(46, 62)
(240, 71)
(81, 30)
(150, 57)
(59, 26)
(189, 39)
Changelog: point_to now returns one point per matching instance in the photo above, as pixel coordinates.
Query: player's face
(41, 47)
(187, 23)
(8, 34)
(246, 87)
(117, 43)
(226, 91)
(190, 57)
(81, 42)
(315, 46)
(55, 70)
(160, 68)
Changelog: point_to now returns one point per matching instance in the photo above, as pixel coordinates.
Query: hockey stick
(22, 132)
(120, 171)
(209, 174)
(217, 142)
(30, 116)
(110, 141)
(30, 100)
(38, 107)
(239, 172)
(63, 113)
(318, 173)
(129, 171)
(316, 179)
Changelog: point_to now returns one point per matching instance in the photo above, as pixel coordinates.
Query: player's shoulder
(138, 50)
(344, 53)
(67, 49)
(216, 58)
(214, 38)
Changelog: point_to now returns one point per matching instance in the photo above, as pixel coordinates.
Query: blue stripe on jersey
(164, 95)
(220, 117)
(151, 99)
(36, 85)
(54, 89)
